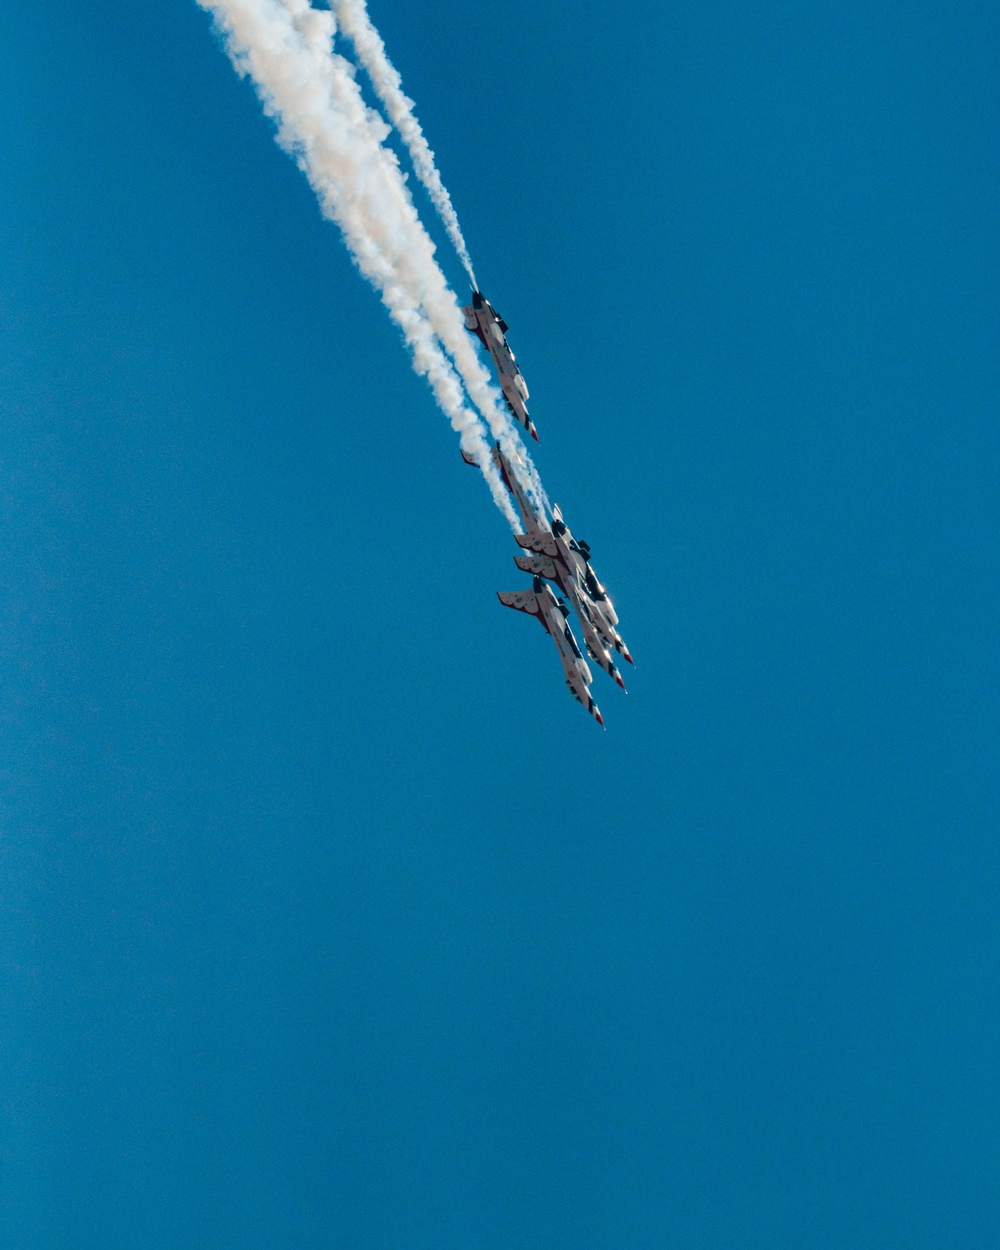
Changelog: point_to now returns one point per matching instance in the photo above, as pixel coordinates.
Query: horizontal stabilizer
(538, 566)
(470, 318)
(520, 601)
(470, 459)
(540, 542)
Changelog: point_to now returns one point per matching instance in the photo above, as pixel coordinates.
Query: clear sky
(328, 920)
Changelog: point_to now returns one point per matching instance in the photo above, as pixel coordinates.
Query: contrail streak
(285, 48)
(435, 295)
(352, 16)
(415, 263)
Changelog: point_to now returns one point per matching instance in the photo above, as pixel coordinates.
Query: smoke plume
(352, 16)
(285, 47)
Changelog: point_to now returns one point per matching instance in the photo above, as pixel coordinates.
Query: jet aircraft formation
(550, 552)
(310, 87)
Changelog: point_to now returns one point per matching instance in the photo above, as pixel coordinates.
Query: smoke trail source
(285, 48)
(352, 16)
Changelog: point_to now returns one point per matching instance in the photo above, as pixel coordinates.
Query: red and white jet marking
(597, 648)
(558, 557)
(542, 604)
(566, 561)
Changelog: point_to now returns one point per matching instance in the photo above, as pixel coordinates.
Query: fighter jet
(491, 330)
(567, 562)
(602, 609)
(529, 516)
(597, 648)
(560, 558)
(541, 603)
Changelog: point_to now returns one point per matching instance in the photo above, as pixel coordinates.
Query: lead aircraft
(542, 604)
(490, 328)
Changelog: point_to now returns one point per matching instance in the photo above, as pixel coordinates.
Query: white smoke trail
(354, 21)
(322, 121)
(415, 263)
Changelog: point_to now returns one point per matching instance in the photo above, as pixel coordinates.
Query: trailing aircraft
(597, 647)
(542, 604)
(529, 515)
(558, 557)
(566, 561)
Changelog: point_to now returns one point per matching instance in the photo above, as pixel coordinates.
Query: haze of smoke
(354, 21)
(286, 49)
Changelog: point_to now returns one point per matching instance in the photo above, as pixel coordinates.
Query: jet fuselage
(542, 604)
(491, 330)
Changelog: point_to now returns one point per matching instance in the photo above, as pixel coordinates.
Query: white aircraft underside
(571, 568)
(554, 555)
(491, 330)
(529, 516)
(597, 647)
(542, 604)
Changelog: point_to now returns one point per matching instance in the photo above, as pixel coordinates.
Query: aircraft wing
(539, 541)
(539, 566)
(475, 325)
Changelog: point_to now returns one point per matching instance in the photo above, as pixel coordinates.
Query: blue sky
(328, 919)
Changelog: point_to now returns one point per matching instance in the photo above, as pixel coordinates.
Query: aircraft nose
(599, 718)
(618, 679)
